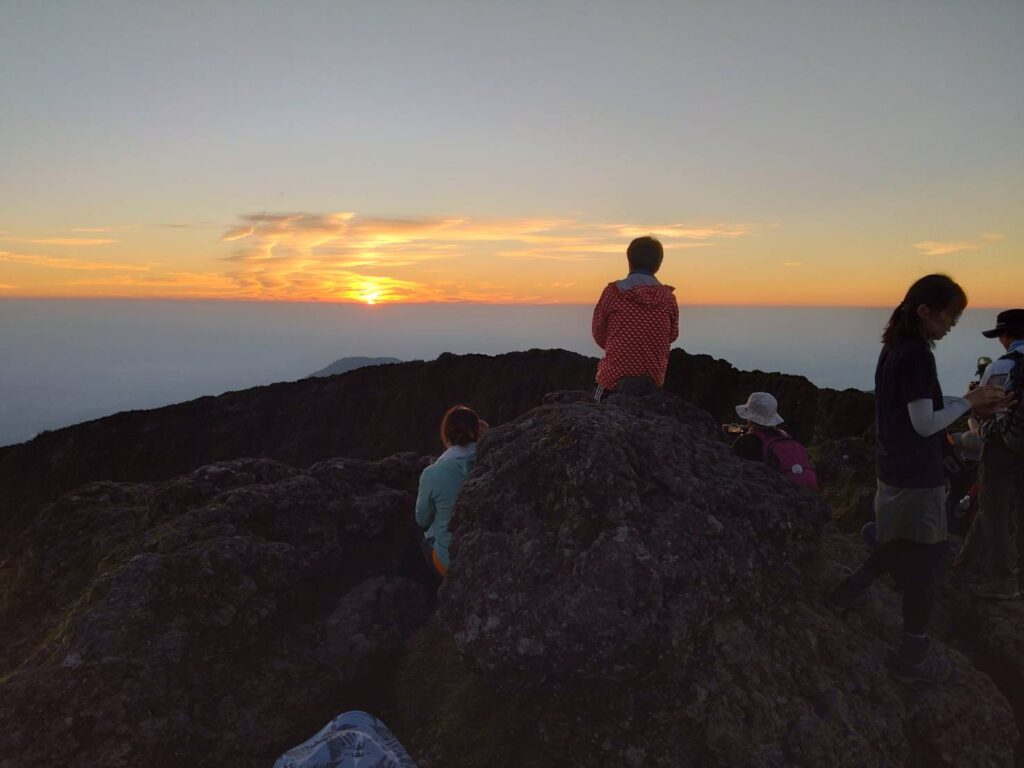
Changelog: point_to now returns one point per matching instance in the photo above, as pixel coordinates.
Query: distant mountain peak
(346, 364)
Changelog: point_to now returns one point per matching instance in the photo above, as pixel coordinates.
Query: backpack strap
(766, 446)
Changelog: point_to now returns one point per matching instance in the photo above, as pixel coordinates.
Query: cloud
(992, 237)
(343, 256)
(100, 229)
(59, 262)
(194, 281)
(6, 287)
(792, 263)
(237, 234)
(69, 241)
(685, 231)
(935, 248)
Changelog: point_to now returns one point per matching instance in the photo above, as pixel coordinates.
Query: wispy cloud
(792, 263)
(349, 257)
(937, 248)
(59, 262)
(198, 284)
(68, 241)
(944, 248)
(717, 231)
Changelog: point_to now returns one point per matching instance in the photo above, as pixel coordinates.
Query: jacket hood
(648, 295)
(461, 457)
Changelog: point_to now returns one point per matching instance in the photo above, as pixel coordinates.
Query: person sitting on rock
(765, 442)
(635, 321)
(441, 482)
(911, 416)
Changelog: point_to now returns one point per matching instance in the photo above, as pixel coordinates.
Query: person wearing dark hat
(988, 559)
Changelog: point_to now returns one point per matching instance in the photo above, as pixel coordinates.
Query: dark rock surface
(211, 620)
(623, 591)
(659, 601)
(811, 413)
(368, 413)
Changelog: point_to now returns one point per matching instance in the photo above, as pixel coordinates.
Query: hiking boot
(1006, 588)
(916, 664)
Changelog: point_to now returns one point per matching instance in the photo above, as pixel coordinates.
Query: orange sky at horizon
(802, 154)
(346, 257)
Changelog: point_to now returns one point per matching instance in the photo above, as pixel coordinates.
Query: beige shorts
(918, 514)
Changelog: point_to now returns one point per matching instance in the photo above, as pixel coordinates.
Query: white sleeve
(927, 421)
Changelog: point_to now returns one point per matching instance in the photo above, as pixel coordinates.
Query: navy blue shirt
(906, 372)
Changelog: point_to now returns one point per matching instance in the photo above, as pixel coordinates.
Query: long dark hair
(460, 426)
(937, 292)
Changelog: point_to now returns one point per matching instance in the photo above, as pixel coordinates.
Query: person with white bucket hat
(767, 443)
(762, 409)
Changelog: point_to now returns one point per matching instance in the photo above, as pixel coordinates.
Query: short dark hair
(937, 292)
(645, 253)
(460, 426)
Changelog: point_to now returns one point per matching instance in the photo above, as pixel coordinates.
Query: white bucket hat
(760, 408)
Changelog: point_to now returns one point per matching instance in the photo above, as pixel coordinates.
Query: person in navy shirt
(911, 415)
(988, 560)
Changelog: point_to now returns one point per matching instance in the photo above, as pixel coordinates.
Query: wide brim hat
(760, 408)
(1010, 321)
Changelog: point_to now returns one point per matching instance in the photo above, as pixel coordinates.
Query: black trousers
(916, 568)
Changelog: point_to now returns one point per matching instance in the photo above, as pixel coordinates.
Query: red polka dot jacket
(635, 327)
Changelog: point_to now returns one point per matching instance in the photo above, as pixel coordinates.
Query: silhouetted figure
(990, 550)
(911, 416)
(767, 442)
(441, 482)
(635, 321)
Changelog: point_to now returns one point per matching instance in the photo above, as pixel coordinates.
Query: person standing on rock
(441, 482)
(990, 550)
(635, 321)
(911, 415)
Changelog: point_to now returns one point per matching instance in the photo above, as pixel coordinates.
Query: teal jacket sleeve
(425, 509)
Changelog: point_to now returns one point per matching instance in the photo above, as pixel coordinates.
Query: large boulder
(215, 619)
(653, 600)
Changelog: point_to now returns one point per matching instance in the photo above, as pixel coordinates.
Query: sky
(792, 153)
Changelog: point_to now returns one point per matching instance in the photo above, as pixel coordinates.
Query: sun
(372, 297)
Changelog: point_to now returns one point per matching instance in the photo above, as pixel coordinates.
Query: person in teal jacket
(441, 482)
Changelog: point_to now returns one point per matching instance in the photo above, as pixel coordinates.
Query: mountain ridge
(369, 413)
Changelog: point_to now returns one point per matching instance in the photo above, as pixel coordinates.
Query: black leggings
(915, 567)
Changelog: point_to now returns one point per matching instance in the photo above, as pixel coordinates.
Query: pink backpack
(790, 458)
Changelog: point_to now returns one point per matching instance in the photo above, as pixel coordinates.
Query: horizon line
(379, 305)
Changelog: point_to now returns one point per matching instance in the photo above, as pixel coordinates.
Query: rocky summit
(623, 591)
(657, 601)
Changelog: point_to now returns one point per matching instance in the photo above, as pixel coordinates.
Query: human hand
(987, 400)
